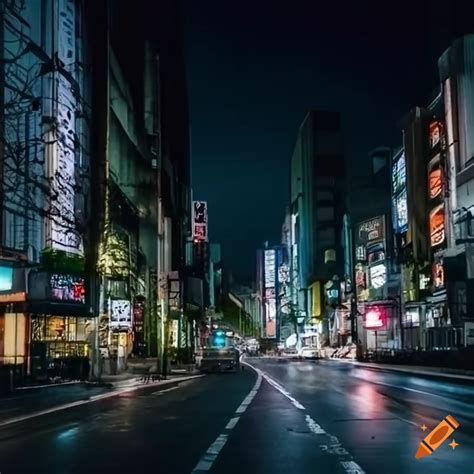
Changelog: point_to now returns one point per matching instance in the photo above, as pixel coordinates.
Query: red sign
(435, 178)
(374, 318)
(437, 226)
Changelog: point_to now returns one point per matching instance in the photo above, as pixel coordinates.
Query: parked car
(309, 353)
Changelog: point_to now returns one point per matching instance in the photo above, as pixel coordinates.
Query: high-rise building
(317, 205)
(456, 67)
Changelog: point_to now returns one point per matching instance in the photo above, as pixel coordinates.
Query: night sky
(255, 67)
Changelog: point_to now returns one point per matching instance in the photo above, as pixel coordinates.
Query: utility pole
(2, 114)
(160, 310)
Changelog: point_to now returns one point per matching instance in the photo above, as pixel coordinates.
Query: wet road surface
(297, 417)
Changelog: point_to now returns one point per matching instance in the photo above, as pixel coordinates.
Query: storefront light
(378, 275)
(374, 318)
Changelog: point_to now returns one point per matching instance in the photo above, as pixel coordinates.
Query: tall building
(142, 186)
(317, 205)
(46, 317)
(456, 67)
(95, 183)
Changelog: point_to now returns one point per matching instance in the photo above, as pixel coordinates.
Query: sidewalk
(467, 375)
(29, 403)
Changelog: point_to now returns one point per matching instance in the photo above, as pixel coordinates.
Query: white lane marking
(209, 457)
(276, 385)
(232, 423)
(351, 467)
(313, 426)
(160, 392)
(334, 446)
(92, 399)
(284, 392)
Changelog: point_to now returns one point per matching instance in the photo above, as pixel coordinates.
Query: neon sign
(437, 234)
(67, 288)
(374, 319)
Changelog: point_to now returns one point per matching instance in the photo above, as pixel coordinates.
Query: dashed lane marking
(332, 444)
(210, 456)
(232, 423)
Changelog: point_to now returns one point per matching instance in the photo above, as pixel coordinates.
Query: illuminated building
(456, 67)
(141, 193)
(45, 306)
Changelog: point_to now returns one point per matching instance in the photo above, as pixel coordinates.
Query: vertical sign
(270, 293)
(64, 235)
(200, 221)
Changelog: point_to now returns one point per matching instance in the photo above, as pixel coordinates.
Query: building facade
(93, 224)
(46, 318)
(317, 196)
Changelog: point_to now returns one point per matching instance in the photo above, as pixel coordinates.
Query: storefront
(61, 325)
(412, 315)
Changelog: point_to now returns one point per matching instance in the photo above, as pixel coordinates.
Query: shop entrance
(60, 347)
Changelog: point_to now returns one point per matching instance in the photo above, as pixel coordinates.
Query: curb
(424, 373)
(95, 398)
(48, 385)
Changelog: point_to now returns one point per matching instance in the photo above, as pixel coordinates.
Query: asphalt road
(297, 417)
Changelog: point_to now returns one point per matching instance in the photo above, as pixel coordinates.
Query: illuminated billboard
(399, 180)
(63, 233)
(67, 288)
(370, 269)
(371, 230)
(120, 316)
(270, 264)
(437, 233)
(200, 221)
(270, 276)
(435, 133)
(6, 278)
(378, 275)
(374, 318)
(438, 275)
(435, 178)
(399, 195)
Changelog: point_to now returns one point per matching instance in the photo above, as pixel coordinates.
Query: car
(309, 353)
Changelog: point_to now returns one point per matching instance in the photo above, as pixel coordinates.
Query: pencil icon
(437, 437)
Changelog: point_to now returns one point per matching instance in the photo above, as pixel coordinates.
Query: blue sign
(6, 278)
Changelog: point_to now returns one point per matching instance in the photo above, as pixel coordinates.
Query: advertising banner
(120, 314)
(270, 266)
(437, 233)
(64, 235)
(399, 193)
(371, 230)
(200, 221)
(374, 318)
(67, 288)
(435, 178)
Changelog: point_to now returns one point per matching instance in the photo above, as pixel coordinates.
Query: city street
(299, 417)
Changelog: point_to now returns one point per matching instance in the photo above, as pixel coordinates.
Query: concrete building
(93, 224)
(46, 319)
(456, 67)
(142, 186)
(317, 198)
